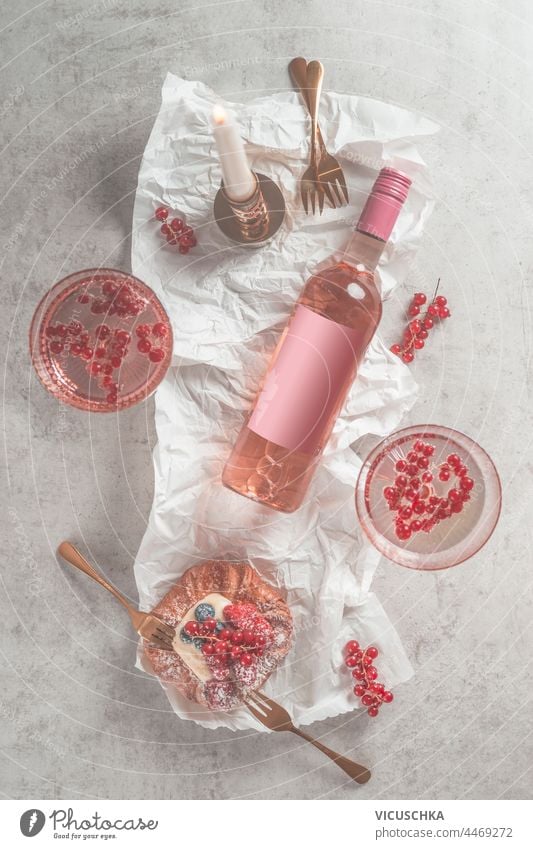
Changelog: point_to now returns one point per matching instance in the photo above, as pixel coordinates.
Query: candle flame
(219, 115)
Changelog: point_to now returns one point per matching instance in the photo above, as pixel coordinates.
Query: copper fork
(276, 718)
(310, 186)
(330, 173)
(148, 626)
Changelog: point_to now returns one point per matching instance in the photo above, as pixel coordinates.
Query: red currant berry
(123, 337)
(160, 329)
(359, 674)
(208, 649)
(406, 512)
(419, 344)
(401, 466)
(423, 334)
(165, 229)
(156, 355)
(351, 661)
(444, 312)
(390, 492)
(144, 346)
(429, 450)
(457, 506)
(143, 330)
(75, 350)
(161, 213)
(373, 711)
(86, 353)
(412, 456)
(422, 462)
(461, 470)
(415, 526)
(410, 494)
(83, 299)
(413, 310)
(415, 326)
(419, 507)
(396, 349)
(246, 659)
(56, 347)
(192, 628)
(236, 654)
(428, 323)
(372, 652)
(467, 484)
(401, 481)
(359, 690)
(444, 475)
(177, 225)
(367, 700)
(95, 368)
(433, 310)
(351, 647)
(237, 638)
(412, 470)
(408, 356)
(116, 362)
(440, 301)
(419, 299)
(387, 696)
(427, 477)
(371, 673)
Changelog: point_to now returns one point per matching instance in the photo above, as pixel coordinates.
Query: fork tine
(166, 638)
(338, 195)
(159, 643)
(254, 711)
(166, 629)
(320, 199)
(329, 194)
(304, 199)
(342, 181)
(313, 197)
(260, 701)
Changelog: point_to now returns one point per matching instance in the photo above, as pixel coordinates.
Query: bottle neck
(364, 249)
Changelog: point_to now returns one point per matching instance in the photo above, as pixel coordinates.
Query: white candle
(239, 182)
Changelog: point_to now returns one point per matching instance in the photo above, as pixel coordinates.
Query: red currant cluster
(236, 642)
(367, 688)
(114, 299)
(417, 331)
(413, 498)
(144, 346)
(175, 230)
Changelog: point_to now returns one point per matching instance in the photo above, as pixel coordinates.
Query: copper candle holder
(252, 222)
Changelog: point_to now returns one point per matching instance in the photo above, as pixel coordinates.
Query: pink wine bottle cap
(384, 203)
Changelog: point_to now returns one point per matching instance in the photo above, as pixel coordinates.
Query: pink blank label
(315, 364)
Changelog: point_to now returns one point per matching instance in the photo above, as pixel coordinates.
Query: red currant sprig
(417, 331)
(412, 496)
(368, 688)
(175, 230)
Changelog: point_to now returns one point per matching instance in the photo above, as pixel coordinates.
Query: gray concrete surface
(80, 88)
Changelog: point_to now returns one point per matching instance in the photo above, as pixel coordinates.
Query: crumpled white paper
(227, 305)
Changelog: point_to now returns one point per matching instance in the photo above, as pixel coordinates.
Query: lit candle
(239, 181)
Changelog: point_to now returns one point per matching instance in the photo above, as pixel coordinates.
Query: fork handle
(298, 73)
(356, 772)
(315, 75)
(71, 554)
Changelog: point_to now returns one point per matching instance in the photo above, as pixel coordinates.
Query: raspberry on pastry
(232, 631)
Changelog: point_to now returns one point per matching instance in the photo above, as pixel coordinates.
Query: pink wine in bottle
(315, 362)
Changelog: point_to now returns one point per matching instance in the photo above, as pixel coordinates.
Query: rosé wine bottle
(315, 362)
